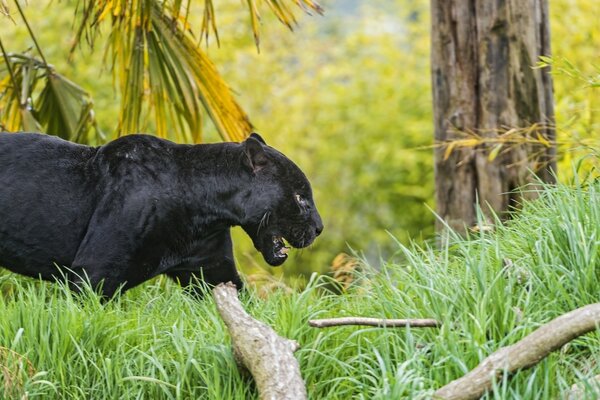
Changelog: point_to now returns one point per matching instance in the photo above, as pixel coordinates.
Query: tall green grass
(155, 342)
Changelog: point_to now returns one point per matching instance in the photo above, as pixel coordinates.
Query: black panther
(139, 206)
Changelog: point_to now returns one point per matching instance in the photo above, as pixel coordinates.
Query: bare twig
(13, 366)
(388, 323)
(268, 356)
(523, 354)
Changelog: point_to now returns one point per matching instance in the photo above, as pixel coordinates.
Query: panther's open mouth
(275, 247)
(280, 250)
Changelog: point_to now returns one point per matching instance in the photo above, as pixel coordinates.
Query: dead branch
(383, 323)
(268, 356)
(523, 354)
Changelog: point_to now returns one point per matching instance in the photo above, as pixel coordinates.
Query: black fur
(140, 206)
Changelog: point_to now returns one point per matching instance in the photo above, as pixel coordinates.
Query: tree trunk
(483, 82)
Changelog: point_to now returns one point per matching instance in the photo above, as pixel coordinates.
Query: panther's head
(279, 206)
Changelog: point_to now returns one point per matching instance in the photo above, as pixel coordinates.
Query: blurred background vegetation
(346, 96)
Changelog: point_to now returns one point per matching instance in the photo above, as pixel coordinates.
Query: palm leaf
(61, 108)
(65, 109)
(16, 88)
(254, 21)
(281, 9)
(209, 22)
(160, 69)
(202, 77)
(133, 87)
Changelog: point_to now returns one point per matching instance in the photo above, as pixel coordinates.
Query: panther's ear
(257, 137)
(255, 157)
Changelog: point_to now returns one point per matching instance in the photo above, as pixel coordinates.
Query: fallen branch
(387, 323)
(268, 356)
(523, 354)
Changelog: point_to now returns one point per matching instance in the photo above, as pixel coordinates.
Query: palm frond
(203, 78)
(59, 107)
(254, 21)
(161, 71)
(282, 10)
(209, 22)
(16, 88)
(65, 109)
(133, 86)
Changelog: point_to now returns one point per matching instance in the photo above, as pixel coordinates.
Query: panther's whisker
(264, 221)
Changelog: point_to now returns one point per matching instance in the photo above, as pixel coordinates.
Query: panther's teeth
(279, 248)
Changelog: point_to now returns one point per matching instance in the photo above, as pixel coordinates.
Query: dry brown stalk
(387, 323)
(12, 367)
(268, 356)
(344, 268)
(523, 354)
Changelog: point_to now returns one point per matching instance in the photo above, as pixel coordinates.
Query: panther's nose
(319, 229)
(318, 223)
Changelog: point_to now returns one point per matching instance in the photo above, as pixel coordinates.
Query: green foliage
(330, 97)
(575, 65)
(157, 63)
(346, 96)
(59, 107)
(488, 291)
(336, 101)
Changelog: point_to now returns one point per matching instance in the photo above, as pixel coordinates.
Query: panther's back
(46, 197)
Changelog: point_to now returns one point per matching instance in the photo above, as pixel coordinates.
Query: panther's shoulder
(138, 148)
(136, 141)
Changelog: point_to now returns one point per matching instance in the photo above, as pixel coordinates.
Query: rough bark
(483, 82)
(268, 356)
(383, 323)
(523, 354)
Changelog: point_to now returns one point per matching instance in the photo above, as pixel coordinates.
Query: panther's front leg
(213, 264)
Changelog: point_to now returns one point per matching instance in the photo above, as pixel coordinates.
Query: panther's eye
(301, 201)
